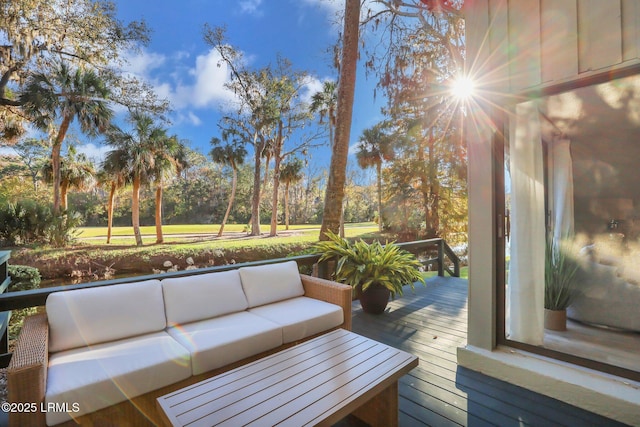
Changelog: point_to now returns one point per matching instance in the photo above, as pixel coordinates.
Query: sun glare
(463, 88)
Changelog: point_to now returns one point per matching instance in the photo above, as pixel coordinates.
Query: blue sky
(184, 69)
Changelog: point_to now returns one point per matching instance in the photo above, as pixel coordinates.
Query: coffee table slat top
(317, 382)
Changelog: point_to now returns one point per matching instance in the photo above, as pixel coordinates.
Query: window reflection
(573, 162)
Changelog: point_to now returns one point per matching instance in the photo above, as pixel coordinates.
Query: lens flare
(463, 88)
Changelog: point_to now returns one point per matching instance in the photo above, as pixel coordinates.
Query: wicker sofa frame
(27, 371)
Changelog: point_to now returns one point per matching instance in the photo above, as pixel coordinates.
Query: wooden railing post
(441, 258)
(456, 267)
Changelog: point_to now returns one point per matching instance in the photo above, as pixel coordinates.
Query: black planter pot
(374, 300)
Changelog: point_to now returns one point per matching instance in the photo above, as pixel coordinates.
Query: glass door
(571, 186)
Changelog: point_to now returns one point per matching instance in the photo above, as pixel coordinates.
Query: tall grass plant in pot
(375, 271)
(559, 285)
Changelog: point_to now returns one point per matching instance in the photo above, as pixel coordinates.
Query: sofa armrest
(330, 291)
(27, 371)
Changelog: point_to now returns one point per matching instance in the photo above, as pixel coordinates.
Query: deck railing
(425, 250)
(5, 315)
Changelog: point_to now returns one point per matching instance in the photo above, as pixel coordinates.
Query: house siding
(525, 44)
(515, 47)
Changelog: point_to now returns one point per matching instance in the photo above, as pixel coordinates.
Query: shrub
(24, 222)
(23, 278)
(62, 231)
(28, 221)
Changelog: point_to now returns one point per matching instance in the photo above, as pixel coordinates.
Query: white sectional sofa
(105, 353)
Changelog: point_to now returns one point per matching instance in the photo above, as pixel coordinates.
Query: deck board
(432, 323)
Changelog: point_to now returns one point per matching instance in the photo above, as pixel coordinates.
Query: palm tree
(66, 95)
(76, 172)
(114, 174)
(170, 158)
(137, 150)
(324, 103)
(291, 172)
(231, 154)
(334, 195)
(375, 147)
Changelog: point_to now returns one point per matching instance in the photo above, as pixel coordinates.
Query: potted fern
(559, 283)
(376, 272)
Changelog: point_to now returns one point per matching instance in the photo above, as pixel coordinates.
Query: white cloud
(180, 55)
(311, 86)
(195, 120)
(210, 77)
(250, 6)
(353, 148)
(189, 118)
(95, 152)
(143, 63)
(187, 85)
(329, 6)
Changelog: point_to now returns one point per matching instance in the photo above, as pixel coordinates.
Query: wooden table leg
(382, 409)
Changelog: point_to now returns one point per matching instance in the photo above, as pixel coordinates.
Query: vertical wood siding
(527, 43)
(477, 35)
(599, 34)
(559, 37)
(630, 29)
(524, 44)
(498, 43)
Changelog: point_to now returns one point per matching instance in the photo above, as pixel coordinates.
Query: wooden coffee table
(318, 382)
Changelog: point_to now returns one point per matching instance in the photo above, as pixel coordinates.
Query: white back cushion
(202, 296)
(90, 316)
(270, 283)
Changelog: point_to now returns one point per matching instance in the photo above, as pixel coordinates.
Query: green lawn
(173, 231)
(187, 240)
(91, 253)
(464, 273)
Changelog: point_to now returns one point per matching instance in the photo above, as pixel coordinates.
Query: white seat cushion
(222, 340)
(90, 316)
(108, 373)
(203, 296)
(270, 283)
(301, 317)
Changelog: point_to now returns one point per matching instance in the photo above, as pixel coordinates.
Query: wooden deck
(431, 324)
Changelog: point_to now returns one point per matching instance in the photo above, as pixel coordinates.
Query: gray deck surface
(431, 324)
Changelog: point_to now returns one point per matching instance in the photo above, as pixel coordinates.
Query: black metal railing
(430, 252)
(5, 315)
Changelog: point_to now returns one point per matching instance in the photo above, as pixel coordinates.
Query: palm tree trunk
(267, 160)
(135, 210)
(338, 168)
(159, 236)
(255, 198)
(331, 126)
(379, 170)
(234, 183)
(342, 222)
(55, 162)
(276, 186)
(112, 195)
(64, 189)
(286, 205)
